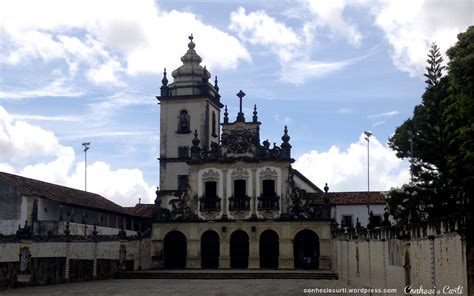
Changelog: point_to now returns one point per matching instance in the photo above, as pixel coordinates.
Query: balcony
(207, 203)
(269, 203)
(239, 203)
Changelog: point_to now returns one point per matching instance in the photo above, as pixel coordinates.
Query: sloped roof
(347, 198)
(142, 210)
(307, 181)
(62, 194)
(356, 198)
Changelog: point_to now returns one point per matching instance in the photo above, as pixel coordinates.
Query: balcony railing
(209, 203)
(239, 203)
(271, 202)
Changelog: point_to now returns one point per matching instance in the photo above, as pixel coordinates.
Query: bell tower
(187, 105)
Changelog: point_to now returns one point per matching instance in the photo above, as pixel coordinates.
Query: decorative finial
(240, 116)
(215, 84)
(255, 118)
(196, 140)
(164, 81)
(326, 188)
(226, 115)
(191, 44)
(285, 138)
(205, 78)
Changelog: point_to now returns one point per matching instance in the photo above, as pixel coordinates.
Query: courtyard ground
(187, 287)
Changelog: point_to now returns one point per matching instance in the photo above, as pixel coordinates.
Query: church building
(226, 199)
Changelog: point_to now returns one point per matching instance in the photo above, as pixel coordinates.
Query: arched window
(183, 122)
(214, 134)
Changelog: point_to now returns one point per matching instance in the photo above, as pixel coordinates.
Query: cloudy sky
(75, 71)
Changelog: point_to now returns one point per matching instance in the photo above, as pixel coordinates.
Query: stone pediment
(240, 140)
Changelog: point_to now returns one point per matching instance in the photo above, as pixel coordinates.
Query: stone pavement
(183, 287)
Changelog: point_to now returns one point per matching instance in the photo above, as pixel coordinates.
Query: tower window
(214, 134)
(183, 122)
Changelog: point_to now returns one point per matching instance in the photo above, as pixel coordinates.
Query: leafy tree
(422, 138)
(439, 139)
(460, 119)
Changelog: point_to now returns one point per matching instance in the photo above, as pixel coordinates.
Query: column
(224, 258)
(94, 268)
(66, 268)
(193, 259)
(253, 198)
(286, 260)
(254, 260)
(225, 214)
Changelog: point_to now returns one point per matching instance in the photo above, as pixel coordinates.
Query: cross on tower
(240, 116)
(191, 37)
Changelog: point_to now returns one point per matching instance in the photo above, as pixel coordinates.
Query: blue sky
(74, 71)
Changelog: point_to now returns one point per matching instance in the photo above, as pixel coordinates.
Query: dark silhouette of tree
(439, 140)
(422, 138)
(460, 120)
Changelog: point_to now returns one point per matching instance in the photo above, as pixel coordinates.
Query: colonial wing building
(227, 199)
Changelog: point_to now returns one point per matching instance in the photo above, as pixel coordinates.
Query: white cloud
(385, 114)
(109, 39)
(123, 186)
(20, 140)
(102, 110)
(45, 118)
(299, 72)
(282, 121)
(106, 73)
(259, 28)
(329, 14)
(292, 48)
(5, 167)
(344, 111)
(110, 134)
(56, 88)
(410, 26)
(378, 123)
(347, 170)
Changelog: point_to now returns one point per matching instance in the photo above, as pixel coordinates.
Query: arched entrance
(269, 249)
(306, 249)
(239, 249)
(174, 250)
(210, 249)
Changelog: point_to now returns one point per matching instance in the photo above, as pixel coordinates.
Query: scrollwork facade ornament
(240, 173)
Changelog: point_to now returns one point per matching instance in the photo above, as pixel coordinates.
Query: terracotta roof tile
(347, 198)
(354, 198)
(142, 210)
(62, 194)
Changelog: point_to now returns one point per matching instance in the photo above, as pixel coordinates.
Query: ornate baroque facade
(226, 198)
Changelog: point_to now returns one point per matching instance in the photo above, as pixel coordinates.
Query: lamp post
(368, 134)
(410, 139)
(86, 147)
